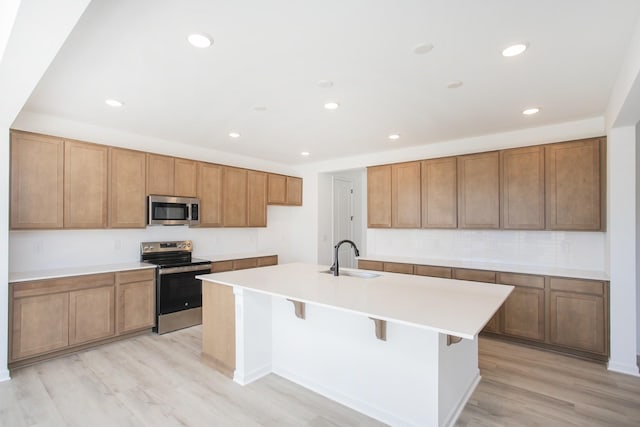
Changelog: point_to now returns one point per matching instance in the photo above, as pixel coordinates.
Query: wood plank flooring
(160, 381)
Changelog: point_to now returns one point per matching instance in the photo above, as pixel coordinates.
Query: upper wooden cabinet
(257, 199)
(210, 194)
(85, 185)
(127, 198)
(37, 177)
(405, 195)
(284, 190)
(439, 193)
(379, 196)
(171, 176)
(479, 190)
(522, 201)
(574, 185)
(234, 196)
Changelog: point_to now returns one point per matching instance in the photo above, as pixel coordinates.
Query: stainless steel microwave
(169, 210)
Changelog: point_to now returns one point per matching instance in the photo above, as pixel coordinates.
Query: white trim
(252, 376)
(4, 375)
(455, 414)
(623, 368)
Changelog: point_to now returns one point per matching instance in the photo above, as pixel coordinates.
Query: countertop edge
(28, 276)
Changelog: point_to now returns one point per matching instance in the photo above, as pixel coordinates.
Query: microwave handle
(189, 211)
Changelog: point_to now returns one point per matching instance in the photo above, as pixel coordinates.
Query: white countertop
(24, 276)
(228, 257)
(454, 307)
(510, 268)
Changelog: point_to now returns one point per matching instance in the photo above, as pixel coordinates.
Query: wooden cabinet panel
(432, 271)
(37, 176)
(523, 313)
(40, 324)
(277, 191)
(474, 275)
(242, 264)
(267, 260)
(379, 196)
(257, 198)
(220, 266)
(294, 191)
(479, 191)
(136, 305)
(573, 185)
(439, 193)
(127, 200)
(91, 314)
(185, 174)
(578, 321)
(219, 331)
(160, 175)
(493, 325)
(397, 267)
(577, 285)
(405, 195)
(234, 195)
(522, 198)
(210, 194)
(85, 185)
(370, 265)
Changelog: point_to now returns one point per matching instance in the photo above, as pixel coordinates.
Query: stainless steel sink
(354, 273)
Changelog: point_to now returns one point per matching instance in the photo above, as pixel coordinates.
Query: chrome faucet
(335, 267)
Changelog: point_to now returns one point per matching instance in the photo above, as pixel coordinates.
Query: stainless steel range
(178, 292)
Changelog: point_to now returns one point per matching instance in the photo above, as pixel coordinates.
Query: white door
(343, 219)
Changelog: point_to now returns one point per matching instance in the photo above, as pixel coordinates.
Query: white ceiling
(273, 53)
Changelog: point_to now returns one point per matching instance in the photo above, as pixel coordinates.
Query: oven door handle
(205, 268)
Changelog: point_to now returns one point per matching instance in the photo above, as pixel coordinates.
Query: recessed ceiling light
(530, 111)
(325, 83)
(234, 135)
(200, 40)
(305, 153)
(113, 103)
(454, 84)
(515, 49)
(423, 48)
(331, 105)
(394, 136)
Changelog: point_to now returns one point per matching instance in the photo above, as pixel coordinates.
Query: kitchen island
(402, 349)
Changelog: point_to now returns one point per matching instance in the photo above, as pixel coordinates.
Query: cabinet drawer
(136, 275)
(63, 284)
(432, 271)
(577, 285)
(220, 266)
(241, 264)
(370, 265)
(527, 280)
(474, 275)
(267, 260)
(396, 267)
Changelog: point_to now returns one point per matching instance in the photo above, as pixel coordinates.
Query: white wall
(637, 266)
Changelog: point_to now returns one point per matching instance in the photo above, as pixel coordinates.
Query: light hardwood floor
(160, 381)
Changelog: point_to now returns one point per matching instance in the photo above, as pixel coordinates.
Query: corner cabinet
(127, 196)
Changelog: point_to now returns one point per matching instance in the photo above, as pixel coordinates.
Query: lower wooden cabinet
(523, 313)
(56, 316)
(243, 263)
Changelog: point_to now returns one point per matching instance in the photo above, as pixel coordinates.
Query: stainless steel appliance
(169, 210)
(178, 292)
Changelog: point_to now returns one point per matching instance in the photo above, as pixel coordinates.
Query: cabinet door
(243, 264)
(573, 185)
(160, 173)
(267, 260)
(40, 324)
(37, 165)
(522, 194)
(294, 191)
(91, 314)
(127, 200)
(578, 315)
(234, 193)
(439, 193)
(277, 189)
(185, 173)
(523, 313)
(405, 195)
(379, 196)
(85, 185)
(136, 306)
(479, 191)
(257, 198)
(210, 194)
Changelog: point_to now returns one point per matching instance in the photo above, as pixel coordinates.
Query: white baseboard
(252, 376)
(624, 368)
(4, 375)
(455, 414)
